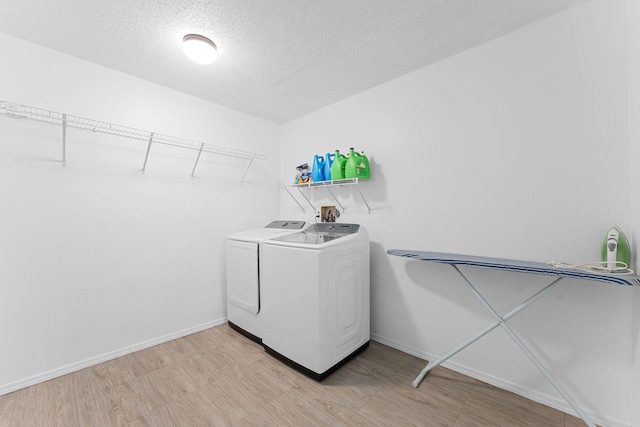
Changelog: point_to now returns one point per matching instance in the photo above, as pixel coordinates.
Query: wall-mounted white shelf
(327, 185)
(17, 111)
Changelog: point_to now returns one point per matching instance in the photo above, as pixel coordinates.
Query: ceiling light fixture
(199, 48)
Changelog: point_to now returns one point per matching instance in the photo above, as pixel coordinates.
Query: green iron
(616, 249)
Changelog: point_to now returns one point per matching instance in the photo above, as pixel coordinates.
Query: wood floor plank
(115, 371)
(21, 413)
(367, 364)
(192, 344)
(227, 398)
(140, 422)
(234, 397)
(280, 372)
(316, 400)
(51, 403)
(163, 385)
(220, 362)
(193, 409)
(231, 342)
(223, 355)
(122, 404)
(340, 400)
(178, 349)
(201, 371)
(491, 406)
(380, 412)
(256, 372)
(258, 392)
(394, 359)
(358, 421)
(284, 412)
(87, 405)
(356, 380)
(151, 359)
(442, 386)
(431, 404)
(7, 408)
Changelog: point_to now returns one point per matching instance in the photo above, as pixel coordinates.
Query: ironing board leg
(483, 332)
(526, 350)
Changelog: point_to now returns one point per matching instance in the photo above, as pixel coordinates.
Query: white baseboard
(541, 398)
(58, 372)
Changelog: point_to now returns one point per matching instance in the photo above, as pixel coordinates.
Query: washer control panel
(333, 227)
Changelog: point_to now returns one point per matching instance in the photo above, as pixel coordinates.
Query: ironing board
(521, 267)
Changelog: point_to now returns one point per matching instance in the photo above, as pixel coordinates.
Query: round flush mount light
(199, 48)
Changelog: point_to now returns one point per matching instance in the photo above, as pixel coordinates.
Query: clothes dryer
(244, 284)
(316, 297)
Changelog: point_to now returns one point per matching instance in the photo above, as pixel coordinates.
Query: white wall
(96, 258)
(517, 149)
(633, 18)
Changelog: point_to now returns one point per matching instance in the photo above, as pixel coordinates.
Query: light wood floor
(219, 378)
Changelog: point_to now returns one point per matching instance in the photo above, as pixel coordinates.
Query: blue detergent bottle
(317, 172)
(326, 172)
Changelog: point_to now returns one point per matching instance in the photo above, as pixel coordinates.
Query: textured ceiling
(278, 59)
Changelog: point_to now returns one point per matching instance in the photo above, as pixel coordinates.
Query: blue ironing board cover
(514, 265)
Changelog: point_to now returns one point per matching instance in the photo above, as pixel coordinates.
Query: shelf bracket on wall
(308, 201)
(64, 139)
(197, 159)
(335, 198)
(364, 200)
(146, 156)
(294, 199)
(246, 171)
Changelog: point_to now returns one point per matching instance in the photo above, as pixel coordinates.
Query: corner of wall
(633, 47)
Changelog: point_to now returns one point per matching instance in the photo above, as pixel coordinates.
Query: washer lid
(318, 234)
(286, 225)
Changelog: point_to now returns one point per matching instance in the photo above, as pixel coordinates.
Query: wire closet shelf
(67, 121)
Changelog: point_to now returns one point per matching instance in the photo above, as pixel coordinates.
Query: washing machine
(244, 283)
(316, 297)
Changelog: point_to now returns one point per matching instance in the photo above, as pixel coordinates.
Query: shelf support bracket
(335, 198)
(146, 156)
(305, 197)
(364, 200)
(197, 159)
(246, 171)
(64, 139)
(294, 199)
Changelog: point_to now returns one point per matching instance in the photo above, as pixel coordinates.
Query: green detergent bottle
(338, 166)
(357, 166)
